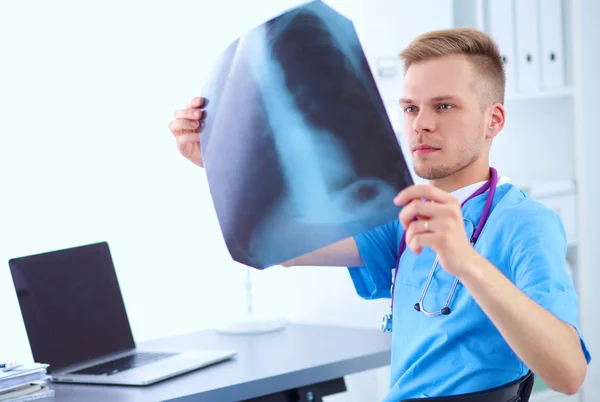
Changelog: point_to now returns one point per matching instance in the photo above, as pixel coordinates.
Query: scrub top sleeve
(378, 249)
(538, 260)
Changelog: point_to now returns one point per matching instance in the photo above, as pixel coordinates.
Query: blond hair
(477, 46)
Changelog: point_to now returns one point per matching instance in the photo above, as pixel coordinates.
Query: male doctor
(514, 306)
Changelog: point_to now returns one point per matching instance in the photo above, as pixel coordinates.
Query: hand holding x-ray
(298, 149)
(186, 127)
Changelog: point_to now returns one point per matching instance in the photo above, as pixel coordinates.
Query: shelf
(542, 94)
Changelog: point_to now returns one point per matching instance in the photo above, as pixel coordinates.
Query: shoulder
(389, 232)
(531, 233)
(382, 238)
(523, 215)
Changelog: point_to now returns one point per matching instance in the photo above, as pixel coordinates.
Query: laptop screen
(71, 305)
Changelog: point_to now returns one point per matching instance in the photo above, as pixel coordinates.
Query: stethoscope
(386, 324)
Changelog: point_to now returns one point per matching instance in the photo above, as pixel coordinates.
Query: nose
(424, 122)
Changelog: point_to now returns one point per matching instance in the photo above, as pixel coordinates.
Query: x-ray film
(298, 149)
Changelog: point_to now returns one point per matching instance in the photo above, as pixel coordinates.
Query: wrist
(471, 267)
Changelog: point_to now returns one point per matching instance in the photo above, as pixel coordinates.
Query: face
(446, 127)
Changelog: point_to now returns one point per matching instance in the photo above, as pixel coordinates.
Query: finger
(187, 139)
(422, 226)
(196, 103)
(420, 191)
(423, 191)
(418, 209)
(419, 226)
(421, 240)
(183, 126)
(189, 113)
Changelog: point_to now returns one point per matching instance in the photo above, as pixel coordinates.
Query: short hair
(476, 45)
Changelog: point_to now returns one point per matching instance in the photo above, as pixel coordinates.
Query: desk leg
(309, 393)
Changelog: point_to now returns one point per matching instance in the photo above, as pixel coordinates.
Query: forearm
(547, 345)
(343, 253)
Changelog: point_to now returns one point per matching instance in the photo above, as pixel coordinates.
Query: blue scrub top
(463, 351)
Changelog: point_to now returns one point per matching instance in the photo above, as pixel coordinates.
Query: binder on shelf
(501, 27)
(551, 41)
(527, 45)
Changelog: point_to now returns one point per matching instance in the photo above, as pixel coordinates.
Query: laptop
(76, 322)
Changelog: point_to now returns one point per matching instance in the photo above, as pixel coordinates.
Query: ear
(495, 122)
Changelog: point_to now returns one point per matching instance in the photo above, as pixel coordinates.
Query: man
(514, 307)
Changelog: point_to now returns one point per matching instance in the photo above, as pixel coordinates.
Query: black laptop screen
(71, 305)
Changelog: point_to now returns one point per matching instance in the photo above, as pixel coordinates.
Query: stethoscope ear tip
(417, 307)
(445, 310)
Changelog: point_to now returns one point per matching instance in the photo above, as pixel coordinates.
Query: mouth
(422, 149)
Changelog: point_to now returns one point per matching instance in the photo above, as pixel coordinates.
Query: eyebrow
(440, 98)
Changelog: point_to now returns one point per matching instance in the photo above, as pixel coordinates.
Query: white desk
(296, 364)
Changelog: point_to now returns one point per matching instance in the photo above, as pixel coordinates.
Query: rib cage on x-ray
(336, 109)
(305, 154)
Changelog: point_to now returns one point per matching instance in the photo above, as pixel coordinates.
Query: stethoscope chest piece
(386, 322)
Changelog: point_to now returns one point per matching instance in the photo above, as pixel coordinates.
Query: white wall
(86, 92)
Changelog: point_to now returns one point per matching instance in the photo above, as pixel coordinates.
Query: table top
(299, 355)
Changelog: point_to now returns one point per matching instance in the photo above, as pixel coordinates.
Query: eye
(409, 109)
(446, 106)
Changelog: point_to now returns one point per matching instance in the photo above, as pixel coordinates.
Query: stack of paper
(23, 383)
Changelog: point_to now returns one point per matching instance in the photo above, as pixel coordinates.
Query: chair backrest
(515, 391)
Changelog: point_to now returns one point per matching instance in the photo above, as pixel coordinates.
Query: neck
(474, 173)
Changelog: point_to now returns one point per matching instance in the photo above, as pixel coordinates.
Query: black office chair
(515, 391)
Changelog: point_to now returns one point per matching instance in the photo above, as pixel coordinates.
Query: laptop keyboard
(124, 363)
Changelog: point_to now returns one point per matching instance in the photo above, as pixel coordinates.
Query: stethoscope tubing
(386, 324)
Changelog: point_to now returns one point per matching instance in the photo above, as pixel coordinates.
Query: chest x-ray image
(298, 149)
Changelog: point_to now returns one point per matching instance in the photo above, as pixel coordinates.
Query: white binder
(501, 26)
(528, 54)
(552, 52)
